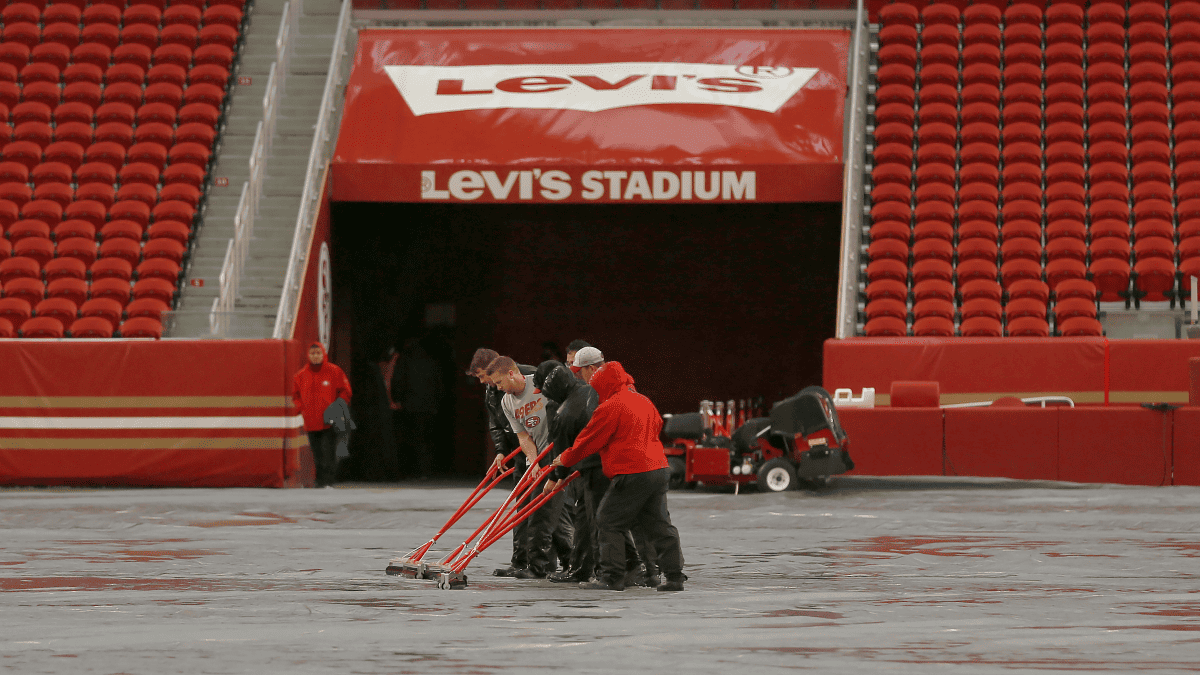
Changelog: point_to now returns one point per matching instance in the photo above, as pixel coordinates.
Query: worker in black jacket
(577, 403)
(504, 441)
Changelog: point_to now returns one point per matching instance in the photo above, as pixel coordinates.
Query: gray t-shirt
(527, 413)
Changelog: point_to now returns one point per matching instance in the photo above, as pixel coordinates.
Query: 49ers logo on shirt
(531, 422)
(592, 87)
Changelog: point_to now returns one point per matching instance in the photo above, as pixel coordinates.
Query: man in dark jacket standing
(625, 430)
(504, 441)
(314, 387)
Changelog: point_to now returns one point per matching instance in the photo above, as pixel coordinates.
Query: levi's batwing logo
(592, 87)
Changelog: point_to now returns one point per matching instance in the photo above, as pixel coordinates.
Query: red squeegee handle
(517, 492)
(516, 519)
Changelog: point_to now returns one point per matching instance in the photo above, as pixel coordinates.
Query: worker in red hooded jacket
(315, 386)
(624, 430)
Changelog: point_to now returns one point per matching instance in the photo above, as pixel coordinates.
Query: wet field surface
(870, 575)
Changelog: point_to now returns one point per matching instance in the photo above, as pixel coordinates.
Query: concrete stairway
(270, 246)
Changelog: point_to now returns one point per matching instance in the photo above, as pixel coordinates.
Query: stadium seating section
(1029, 160)
(603, 4)
(108, 118)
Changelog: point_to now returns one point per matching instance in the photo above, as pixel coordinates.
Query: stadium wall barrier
(1135, 439)
(1089, 370)
(202, 413)
(1118, 444)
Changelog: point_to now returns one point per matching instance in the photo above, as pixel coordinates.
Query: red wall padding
(1129, 445)
(1010, 442)
(156, 413)
(983, 369)
(894, 442)
(1114, 445)
(1186, 451)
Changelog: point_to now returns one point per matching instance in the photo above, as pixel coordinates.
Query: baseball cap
(588, 356)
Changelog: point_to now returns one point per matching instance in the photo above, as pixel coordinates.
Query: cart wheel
(777, 475)
(678, 471)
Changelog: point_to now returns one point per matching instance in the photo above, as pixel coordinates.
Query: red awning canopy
(593, 115)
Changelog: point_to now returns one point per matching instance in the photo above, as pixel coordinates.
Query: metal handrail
(326, 126)
(1031, 399)
(243, 228)
(852, 182)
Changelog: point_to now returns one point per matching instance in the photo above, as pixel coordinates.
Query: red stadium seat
(7, 330)
(170, 229)
(120, 247)
(82, 92)
(24, 288)
(138, 54)
(88, 210)
(164, 92)
(159, 268)
(74, 228)
(140, 34)
(102, 193)
(143, 14)
(136, 211)
(933, 288)
(13, 172)
(41, 250)
(65, 268)
(182, 14)
(91, 327)
(186, 36)
(113, 289)
(112, 268)
(151, 153)
(96, 172)
(160, 113)
(141, 192)
(78, 247)
(17, 193)
(1028, 326)
(886, 326)
(66, 152)
(16, 311)
(75, 132)
(123, 92)
(122, 229)
(201, 134)
(25, 33)
(139, 172)
(60, 194)
(14, 53)
(157, 289)
(147, 307)
(115, 132)
(58, 308)
(102, 13)
(173, 74)
(19, 267)
(203, 93)
(1015, 248)
(1025, 307)
(28, 228)
(981, 326)
(220, 55)
(141, 327)
(52, 172)
(92, 53)
(103, 308)
(172, 54)
(107, 152)
(42, 327)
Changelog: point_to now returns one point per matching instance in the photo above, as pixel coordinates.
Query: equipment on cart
(450, 571)
(802, 442)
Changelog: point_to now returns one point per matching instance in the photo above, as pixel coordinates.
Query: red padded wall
(1002, 442)
(1131, 446)
(894, 442)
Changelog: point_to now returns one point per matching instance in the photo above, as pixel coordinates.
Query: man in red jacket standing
(314, 387)
(624, 430)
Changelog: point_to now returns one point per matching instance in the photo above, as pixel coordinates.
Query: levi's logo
(591, 87)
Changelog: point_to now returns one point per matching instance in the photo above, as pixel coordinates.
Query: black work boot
(602, 585)
(674, 582)
(565, 577)
(635, 576)
(509, 571)
(528, 574)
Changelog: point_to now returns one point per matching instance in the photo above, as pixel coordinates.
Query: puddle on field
(18, 584)
(244, 519)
